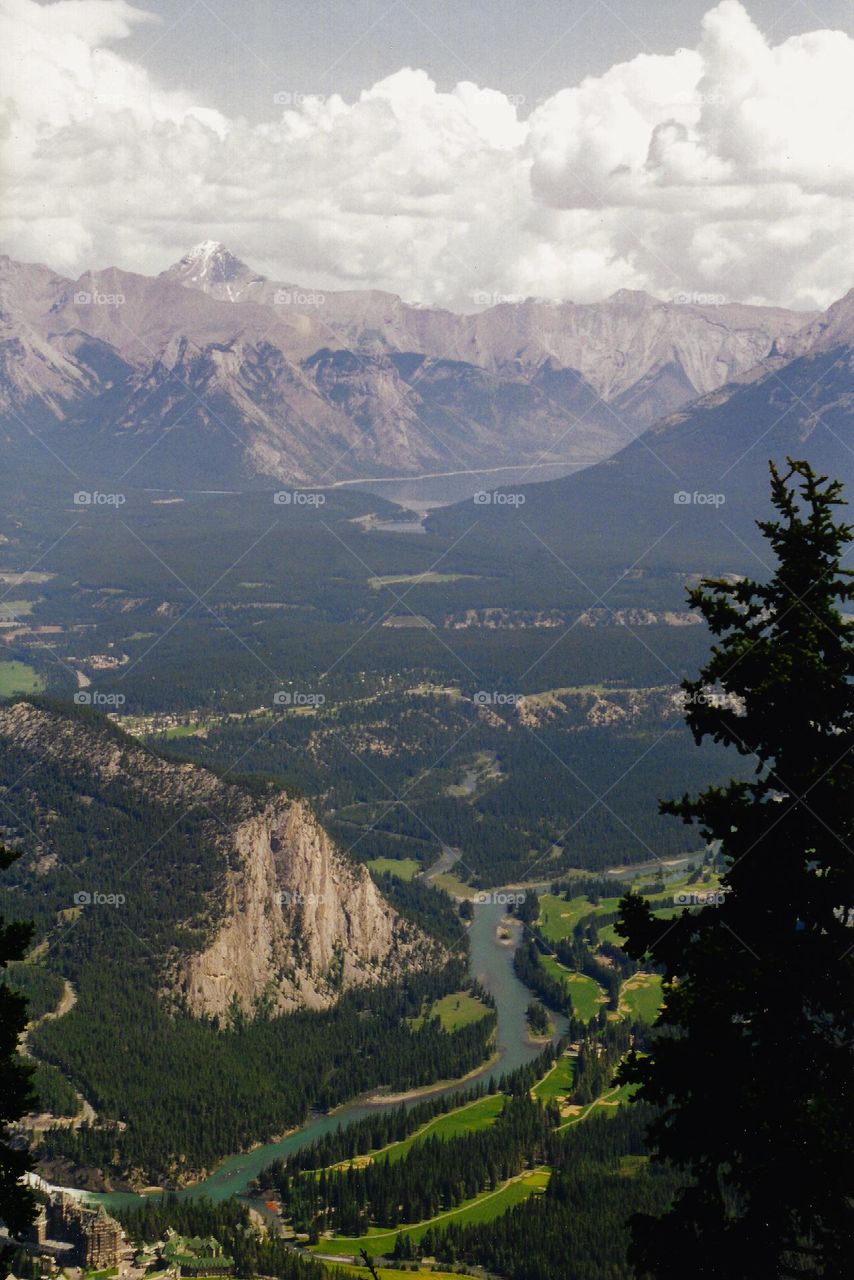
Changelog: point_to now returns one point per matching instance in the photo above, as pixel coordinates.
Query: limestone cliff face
(276, 913)
(300, 924)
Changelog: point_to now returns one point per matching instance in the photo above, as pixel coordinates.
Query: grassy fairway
(12, 610)
(558, 917)
(403, 868)
(607, 1102)
(557, 1082)
(18, 677)
(641, 996)
(454, 1011)
(587, 995)
(181, 731)
(452, 884)
(486, 1207)
(468, 1119)
(608, 932)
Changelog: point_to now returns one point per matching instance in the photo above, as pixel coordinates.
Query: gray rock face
(288, 918)
(236, 376)
(615, 345)
(300, 924)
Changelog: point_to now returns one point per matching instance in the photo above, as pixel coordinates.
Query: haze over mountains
(210, 374)
(687, 493)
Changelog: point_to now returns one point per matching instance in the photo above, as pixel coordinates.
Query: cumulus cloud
(723, 169)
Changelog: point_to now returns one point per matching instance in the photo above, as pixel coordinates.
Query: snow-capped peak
(205, 250)
(211, 256)
(210, 264)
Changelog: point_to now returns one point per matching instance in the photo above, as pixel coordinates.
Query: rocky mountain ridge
(286, 920)
(211, 373)
(613, 344)
(688, 492)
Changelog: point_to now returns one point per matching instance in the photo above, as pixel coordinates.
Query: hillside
(238, 898)
(215, 950)
(685, 495)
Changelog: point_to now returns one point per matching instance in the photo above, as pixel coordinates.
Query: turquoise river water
(491, 962)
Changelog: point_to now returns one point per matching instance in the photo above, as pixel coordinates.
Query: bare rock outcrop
(301, 924)
(281, 918)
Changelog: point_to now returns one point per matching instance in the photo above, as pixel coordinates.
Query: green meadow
(403, 868)
(454, 1124)
(18, 677)
(587, 995)
(454, 1011)
(557, 1082)
(485, 1207)
(641, 996)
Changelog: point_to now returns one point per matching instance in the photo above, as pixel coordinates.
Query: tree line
(191, 1092)
(435, 1174)
(384, 1127)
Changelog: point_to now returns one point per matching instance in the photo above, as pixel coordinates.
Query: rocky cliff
(300, 924)
(235, 897)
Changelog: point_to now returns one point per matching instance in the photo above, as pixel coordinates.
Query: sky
(453, 153)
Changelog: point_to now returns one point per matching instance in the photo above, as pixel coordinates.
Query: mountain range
(212, 374)
(687, 493)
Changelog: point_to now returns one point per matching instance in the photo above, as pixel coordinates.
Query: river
(491, 963)
(420, 493)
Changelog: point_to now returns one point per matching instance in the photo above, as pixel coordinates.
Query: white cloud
(726, 169)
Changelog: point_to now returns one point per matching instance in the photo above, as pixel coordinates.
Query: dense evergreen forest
(538, 794)
(578, 1228)
(42, 987)
(431, 909)
(173, 1092)
(191, 1093)
(319, 1191)
(384, 1127)
(436, 1174)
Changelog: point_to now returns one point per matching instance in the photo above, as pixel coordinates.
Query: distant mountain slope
(687, 492)
(211, 374)
(228, 898)
(628, 339)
